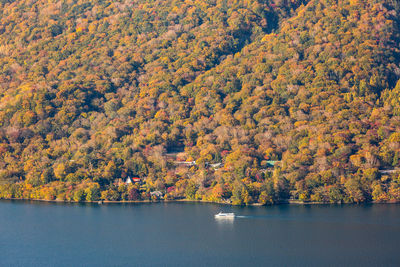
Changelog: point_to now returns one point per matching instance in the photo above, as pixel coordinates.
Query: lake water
(187, 234)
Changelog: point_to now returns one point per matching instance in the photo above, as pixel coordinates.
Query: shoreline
(101, 202)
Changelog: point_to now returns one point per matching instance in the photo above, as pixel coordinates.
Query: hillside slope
(91, 93)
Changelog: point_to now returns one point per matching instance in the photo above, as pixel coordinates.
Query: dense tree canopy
(244, 101)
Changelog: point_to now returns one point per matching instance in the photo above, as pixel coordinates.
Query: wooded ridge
(238, 101)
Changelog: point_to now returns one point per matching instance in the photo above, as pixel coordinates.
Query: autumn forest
(232, 101)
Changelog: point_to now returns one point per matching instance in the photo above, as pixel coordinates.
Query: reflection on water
(224, 221)
(225, 224)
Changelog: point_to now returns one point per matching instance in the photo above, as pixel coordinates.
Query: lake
(187, 234)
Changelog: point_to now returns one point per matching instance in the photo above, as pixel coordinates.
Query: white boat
(222, 215)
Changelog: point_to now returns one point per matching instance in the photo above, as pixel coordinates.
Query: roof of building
(272, 162)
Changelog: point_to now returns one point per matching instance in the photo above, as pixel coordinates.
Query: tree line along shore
(242, 101)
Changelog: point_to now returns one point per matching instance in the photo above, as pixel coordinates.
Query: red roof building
(136, 180)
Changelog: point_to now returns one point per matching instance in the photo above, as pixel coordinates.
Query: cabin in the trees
(270, 166)
(128, 180)
(215, 166)
(271, 163)
(136, 180)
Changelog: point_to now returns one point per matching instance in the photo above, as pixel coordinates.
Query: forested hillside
(242, 101)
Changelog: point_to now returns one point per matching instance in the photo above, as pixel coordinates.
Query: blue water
(186, 234)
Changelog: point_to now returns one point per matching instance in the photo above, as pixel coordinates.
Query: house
(216, 166)
(271, 163)
(270, 166)
(136, 180)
